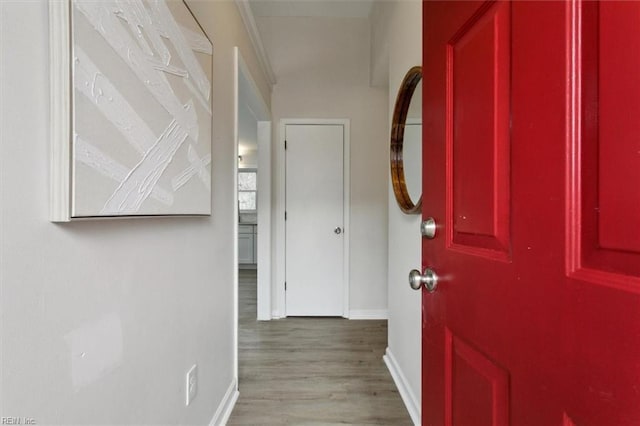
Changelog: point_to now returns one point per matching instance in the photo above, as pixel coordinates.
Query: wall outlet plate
(191, 384)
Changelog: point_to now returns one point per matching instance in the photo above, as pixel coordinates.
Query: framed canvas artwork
(130, 110)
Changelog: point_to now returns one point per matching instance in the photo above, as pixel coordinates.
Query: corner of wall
(225, 408)
(411, 401)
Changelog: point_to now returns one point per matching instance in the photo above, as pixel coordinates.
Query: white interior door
(314, 220)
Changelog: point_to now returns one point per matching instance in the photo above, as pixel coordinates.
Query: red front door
(531, 170)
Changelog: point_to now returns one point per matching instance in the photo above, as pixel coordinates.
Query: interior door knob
(429, 280)
(338, 230)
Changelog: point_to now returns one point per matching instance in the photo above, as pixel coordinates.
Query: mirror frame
(403, 100)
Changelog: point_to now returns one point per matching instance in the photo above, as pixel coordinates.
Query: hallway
(320, 371)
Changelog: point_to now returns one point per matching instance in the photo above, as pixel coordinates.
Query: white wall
(399, 25)
(322, 69)
(155, 294)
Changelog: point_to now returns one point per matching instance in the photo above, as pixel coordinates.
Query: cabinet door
(245, 248)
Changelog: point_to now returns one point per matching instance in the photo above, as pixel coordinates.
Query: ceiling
(291, 8)
(312, 8)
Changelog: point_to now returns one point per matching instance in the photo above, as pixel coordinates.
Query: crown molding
(250, 24)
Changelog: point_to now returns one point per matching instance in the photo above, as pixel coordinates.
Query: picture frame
(131, 126)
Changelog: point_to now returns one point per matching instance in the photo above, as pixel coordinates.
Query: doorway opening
(252, 182)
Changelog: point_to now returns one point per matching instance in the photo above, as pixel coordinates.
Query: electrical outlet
(192, 384)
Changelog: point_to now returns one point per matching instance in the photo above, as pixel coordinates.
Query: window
(247, 190)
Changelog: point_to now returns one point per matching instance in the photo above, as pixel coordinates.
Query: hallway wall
(102, 319)
(397, 35)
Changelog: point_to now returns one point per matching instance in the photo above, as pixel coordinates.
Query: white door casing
(315, 220)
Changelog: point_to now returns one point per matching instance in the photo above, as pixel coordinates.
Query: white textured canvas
(140, 110)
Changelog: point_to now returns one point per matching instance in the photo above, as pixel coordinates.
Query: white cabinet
(245, 248)
(247, 244)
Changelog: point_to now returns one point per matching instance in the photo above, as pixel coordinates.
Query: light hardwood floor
(312, 370)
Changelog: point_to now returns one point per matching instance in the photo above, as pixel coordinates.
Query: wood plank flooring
(319, 371)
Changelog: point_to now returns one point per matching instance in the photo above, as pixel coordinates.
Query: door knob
(428, 228)
(429, 280)
(338, 230)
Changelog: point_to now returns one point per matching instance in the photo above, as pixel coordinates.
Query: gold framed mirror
(406, 143)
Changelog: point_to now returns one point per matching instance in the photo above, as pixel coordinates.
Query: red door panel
(602, 322)
(531, 169)
(618, 125)
(606, 176)
(477, 84)
(476, 390)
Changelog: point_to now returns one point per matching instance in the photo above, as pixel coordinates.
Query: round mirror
(406, 143)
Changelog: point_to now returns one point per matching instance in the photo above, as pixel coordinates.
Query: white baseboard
(225, 408)
(359, 314)
(368, 314)
(267, 318)
(408, 397)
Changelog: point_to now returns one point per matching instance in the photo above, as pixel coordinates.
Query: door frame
(280, 310)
